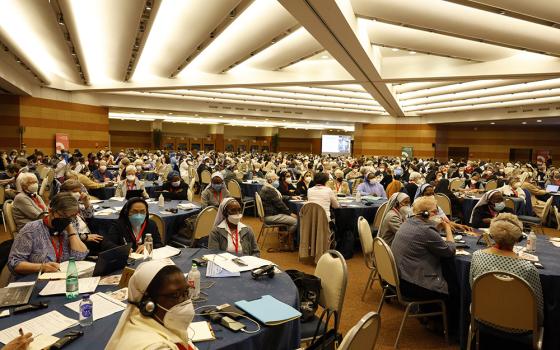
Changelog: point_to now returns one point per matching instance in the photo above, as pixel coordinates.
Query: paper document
(86, 285)
(105, 212)
(41, 341)
(136, 256)
(49, 323)
(165, 212)
(200, 331)
(214, 270)
(20, 284)
(187, 206)
(462, 252)
(82, 266)
(225, 260)
(165, 252)
(103, 305)
(120, 294)
(95, 201)
(120, 199)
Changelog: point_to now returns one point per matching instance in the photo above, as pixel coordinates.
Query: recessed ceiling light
(492, 123)
(524, 123)
(539, 121)
(395, 49)
(141, 111)
(324, 56)
(196, 115)
(412, 52)
(170, 113)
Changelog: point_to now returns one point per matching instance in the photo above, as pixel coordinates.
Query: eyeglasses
(180, 296)
(132, 212)
(234, 211)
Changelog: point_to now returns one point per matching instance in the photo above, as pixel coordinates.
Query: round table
(108, 192)
(249, 188)
(173, 221)
(224, 290)
(470, 202)
(549, 257)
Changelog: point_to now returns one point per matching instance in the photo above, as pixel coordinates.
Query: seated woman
(398, 210)
(41, 245)
(285, 185)
(474, 184)
(427, 190)
(159, 310)
(487, 208)
(130, 183)
(339, 185)
(506, 230)
(176, 187)
(28, 205)
(305, 182)
(229, 233)
(215, 192)
(132, 226)
(456, 202)
(257, 170)
(79, 222)
(371, 187)
(513, 188)
(394, 186)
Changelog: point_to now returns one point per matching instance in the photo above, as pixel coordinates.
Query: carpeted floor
(414, 335)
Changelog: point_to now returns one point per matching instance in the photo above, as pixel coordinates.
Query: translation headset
(425, 214)
(146, 306)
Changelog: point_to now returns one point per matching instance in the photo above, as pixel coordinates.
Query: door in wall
(521, 154)
(458, 153)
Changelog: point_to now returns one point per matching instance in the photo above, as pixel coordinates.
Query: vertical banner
(61, 142)
(407, 152)
(542, 155)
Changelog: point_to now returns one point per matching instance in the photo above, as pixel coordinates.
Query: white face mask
(176, 183)
(436, 220)
(289, 180)
(76, 195)
(234, 219)
(130, 177)
(405, 211)
(179, 317)
(33, 188)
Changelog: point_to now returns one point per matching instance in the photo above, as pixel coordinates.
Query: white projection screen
(336, 144)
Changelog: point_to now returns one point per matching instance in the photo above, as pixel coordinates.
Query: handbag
(309, 289)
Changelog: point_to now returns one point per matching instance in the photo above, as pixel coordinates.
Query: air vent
(298, 112)
(512, 111)
(215, 107)
(264, 110)
(252, 109)
(275, 111)
(226, 107)
(239, 108)
(527, 110)
(544, 109)
(287, 112)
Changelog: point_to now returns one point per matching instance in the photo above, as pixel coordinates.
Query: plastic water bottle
(148, 247)
(358, 196)
(86, 311)
(193, 280)
(161, 201)
(72, 289)
(531, 242)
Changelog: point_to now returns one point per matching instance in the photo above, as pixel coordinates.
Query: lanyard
(38, 202)
(235, 240)
(216, 197)
(130, 187)
(139, 235)
(57, 251)
(338, 186)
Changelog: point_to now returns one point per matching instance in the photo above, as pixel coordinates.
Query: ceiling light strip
(26, 66)
(324, 92)
(75, 52)
(242, 6)
(426, 52)
(543, 100)
(300, 59)
(146, 21)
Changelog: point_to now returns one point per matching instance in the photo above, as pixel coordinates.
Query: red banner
(542, 155)
(61, 142)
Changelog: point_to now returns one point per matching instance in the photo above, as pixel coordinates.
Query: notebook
(553, 189)
(269, 310)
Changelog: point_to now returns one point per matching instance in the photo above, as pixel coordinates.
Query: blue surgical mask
(137, 219)
(217, 187)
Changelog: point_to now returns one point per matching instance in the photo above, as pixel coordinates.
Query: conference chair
(160, 225)
(366, 240)
(205, 179)
(191, 189)
(204, 223)
(456, 184)
(42, 170)
(389, 274)
(378, 218)
(8, 214)
(491, 185)
(266, 229)
(504, 300)
(333, 272)
(510, 204)
(315, 236)
(246, 202)
(356, 183)
(535, 222)
(363, 335)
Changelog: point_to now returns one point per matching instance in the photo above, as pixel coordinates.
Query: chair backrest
(510, 204)
(205, 222)
(314, 229)
(385, 263)
(2, 195)
(491, 185)
(43, 187)
(234, 189)
(444, 203)
(205, 177)
(190, 195)
(333, 272)
(557, 213)
(456, 184)
(43, 170)
(379, 216)
(8, 212)
(366, 240)
(546, 209)
(363, 335)
(260, 209)
(160, 225)
(356, 183)
(504, 300)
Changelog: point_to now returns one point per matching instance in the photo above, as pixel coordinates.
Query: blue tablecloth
(549, 257)
(249, 189)
(108, 192)
(225, 290)
(469, 204)
(102, 224)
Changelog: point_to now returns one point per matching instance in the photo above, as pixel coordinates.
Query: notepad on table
(104, 305)
(85, 285)
(120, 199)
(215, 270)
(200, 331)
(82, 266)
(165, 252)
(269, 310)
(50, 323)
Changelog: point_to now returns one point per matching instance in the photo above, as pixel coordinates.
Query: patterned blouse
(483, 262)
(33, 244)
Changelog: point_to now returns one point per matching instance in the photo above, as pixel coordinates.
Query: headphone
(146, 306)
(425, 214)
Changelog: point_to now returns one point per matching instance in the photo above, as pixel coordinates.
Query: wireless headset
(146, 306)
(425, 214)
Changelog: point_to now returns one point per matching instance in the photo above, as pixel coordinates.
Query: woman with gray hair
(43, 244)
(28, 205)
(131, 182)
(506, 230)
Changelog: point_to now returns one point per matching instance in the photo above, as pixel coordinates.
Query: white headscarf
(395, 199)
(215, 174)
(483, 201)
(137, 286)
(220, 215)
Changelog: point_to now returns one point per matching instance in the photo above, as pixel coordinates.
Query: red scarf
(57, 250)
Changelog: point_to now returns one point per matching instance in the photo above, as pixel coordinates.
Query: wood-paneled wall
(87, 126)
(9, 122)
(130, 134)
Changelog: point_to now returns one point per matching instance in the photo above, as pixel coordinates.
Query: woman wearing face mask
(159, 310)
(132, 226)
(456, 202)
(487, 208)
(229, 233)
(257, 170)
(398, 210)
(339, 185)
(285, 185)
(215, 192)
(513, 188)
(427, 190)
(305, 182)
(43, 244)
(474, 184)
(28, 205)
(130, 183)
(176, 187)
(371, 187)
